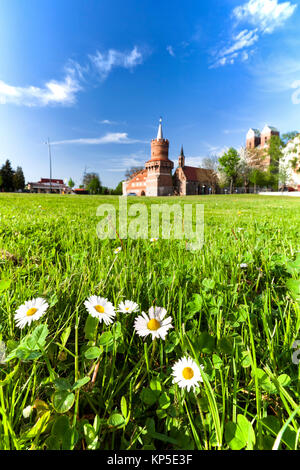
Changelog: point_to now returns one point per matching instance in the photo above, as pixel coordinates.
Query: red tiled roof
(141, 173)
(47, 180)
(198, 174)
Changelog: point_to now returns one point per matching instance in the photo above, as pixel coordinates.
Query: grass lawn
(97, 386)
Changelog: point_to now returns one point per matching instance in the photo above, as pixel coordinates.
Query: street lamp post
(50, 162)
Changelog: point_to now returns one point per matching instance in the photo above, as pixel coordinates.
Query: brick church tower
(159, 169)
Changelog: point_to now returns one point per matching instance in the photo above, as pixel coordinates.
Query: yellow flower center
(31, 312)
(99, 308)
(127, 308)
(153, 324)
(188, 373)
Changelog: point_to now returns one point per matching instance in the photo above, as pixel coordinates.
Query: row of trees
(245, 168)
(92, 183)
(11, 180)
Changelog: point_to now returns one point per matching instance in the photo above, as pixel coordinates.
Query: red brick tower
(181, 159)
(159, 179)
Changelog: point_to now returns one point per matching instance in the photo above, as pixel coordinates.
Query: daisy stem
(203, 423)
(195, 434)
(75, 379)
(150, 364)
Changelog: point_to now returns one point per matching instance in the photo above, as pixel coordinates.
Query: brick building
(257, 144)
(189, 180)
(156, 178)
(43, 186)
(257, 139)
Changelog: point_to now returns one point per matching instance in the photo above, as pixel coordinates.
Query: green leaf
(293, 267)
(116, 419)
(63, 401)
(149, 397)
(37, 339)
(9, 376)
(93, 353)
(90, 436)
(294, 286)
(62, 433)
(155, 385)
(65, 335)
(284, 380)
(90, 328)
(246, 359)
(217, 361)
(164, 401)
(208, 284)
(60, 426)
(62, 384)
(124, 407)
(106, 339)
(265, 381)
(39, 427)
(205, 343)
(226, 344)
(4, 285)
(240, 435)
(195, 305)
(80, 383)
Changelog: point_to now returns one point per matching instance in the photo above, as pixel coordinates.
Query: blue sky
(95, 76)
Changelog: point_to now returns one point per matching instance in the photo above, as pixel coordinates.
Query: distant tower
(159, 178)
(267, 133)
(181, 159)
(253, 139)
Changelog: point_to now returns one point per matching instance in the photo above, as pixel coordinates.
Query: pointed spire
(160, 132)
(182, 152)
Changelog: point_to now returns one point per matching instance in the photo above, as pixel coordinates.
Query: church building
(156, 178)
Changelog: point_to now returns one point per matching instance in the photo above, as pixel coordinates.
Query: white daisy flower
(186, 373)
(153, 240)
(30, 311)
(27, 411)
(128, 307)
(118, 250)
(100, 308)
(244, 265)
(153, 323)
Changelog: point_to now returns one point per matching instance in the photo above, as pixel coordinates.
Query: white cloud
(170, 51)
(193, 161)
(296, 94)
(64, 92)
(53, 92)
(107, 121)
(241, 41)
(267, 15)
(110, 138)
(105, 62)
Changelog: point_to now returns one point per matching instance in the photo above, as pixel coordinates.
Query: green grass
(240, 324)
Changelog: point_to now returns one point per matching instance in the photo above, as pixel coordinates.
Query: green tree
(18, 179)
(289, 136)
(7, 174)
(275, 151)
(229, 165)
(94, 186)
(258, 177)
(119, 189)
(88, 177)
(71, 183)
